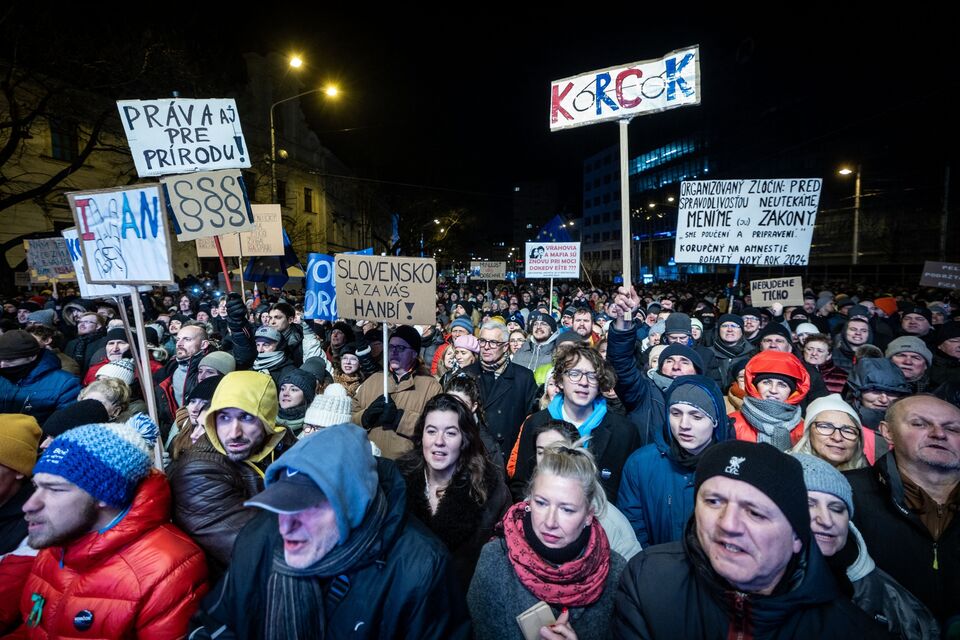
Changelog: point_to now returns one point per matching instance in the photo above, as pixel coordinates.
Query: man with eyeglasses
(508, 391)
(91, 339)
(390, 423)
(907, 505)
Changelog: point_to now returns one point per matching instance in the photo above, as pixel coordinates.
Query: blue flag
(273, 269)
(554, 231)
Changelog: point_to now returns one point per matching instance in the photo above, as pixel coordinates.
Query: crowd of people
(669, 462)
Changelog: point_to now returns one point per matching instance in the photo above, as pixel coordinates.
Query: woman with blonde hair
(832, 432)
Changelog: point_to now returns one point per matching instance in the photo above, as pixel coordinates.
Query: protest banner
(123, 235)
(623, 91)
(786, 291)
(265, 240)
(320, 300)
(88, 290)
(758, 222)
(944, 275)
(488, 270)
(175, 135)
(397, 290)
(207, 204)
(552, 260)
(48, 259)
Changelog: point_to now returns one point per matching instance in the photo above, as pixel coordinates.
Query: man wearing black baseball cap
(746, 564)
(332, 555)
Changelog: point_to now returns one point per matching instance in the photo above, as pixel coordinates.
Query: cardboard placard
(265, 240)
(552, 259)
(177, 135)
(396, 290)
(49, 259)
(945, 275)
(123, 235)
(320, 300)
(621, 92)
(88, 290)
(786, 291)
(206, 204)
(488, 270)
(764, 222)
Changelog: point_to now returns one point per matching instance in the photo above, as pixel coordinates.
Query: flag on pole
(554, 231)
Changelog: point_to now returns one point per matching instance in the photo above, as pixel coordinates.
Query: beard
(84, 521)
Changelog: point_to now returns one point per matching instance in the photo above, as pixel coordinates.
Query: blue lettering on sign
(673, 79)
(603, 81)
(129, 222)
(73, 246)
(320, 301)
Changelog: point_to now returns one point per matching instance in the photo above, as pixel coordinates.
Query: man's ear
(886, 433)
(797, 543)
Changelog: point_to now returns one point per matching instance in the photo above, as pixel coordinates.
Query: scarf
(292, 417)
(683, 458)
(599, 412)
(559, 556)
(773, 420)
(730, 350)
(663, 382)
(496, 368)
(295, 597)
(267, 361)
(578, 583)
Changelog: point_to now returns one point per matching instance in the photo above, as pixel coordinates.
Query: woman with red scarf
(552, 550)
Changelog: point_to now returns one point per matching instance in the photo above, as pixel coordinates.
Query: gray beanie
(221, 361)
(910, 344)
(45, 317)
(678, 323)
(820, 475)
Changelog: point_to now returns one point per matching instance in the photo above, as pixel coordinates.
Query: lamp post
(845, 171)
(330, 91)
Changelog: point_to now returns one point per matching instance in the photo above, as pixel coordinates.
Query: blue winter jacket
(42, 391)
(641, 397)
(656, 493)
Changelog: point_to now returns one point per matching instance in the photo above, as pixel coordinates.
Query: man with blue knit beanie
(331, 554)
(110, 565)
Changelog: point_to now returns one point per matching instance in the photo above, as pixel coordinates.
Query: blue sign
(320, 301)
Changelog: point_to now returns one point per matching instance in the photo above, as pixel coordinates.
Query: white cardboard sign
(762, 222)
(176, 135)
(621, 92)
(88, 290)
(48, 257)
(208, 204)
(482, 270)
(388, 289)
(786, 291)
(265, 240)
(123, 235)
(552, 260)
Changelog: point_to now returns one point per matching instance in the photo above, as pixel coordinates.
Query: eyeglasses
(490, 344)
(399, 348)
(576, 374)
(846, 432)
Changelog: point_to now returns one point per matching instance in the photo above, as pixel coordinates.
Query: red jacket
(772, 362)
(141, 578)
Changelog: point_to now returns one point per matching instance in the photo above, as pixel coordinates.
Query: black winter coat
(640, 396)
(507, 400)
(671, 592)
(405, 589)
(901, 545)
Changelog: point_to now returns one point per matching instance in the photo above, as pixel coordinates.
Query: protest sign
(386, 288)
(762, 222)
(88, 290)
(552, 260)
(945, 275)
(488, 270)
(176, 135)
(621, 92)
(786, 291)
(265, 240)
(320, 300)
(123, 235)
(48, 259)
(207, 204)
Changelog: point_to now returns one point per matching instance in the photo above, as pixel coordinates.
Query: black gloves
(236, 312)
(381, 414)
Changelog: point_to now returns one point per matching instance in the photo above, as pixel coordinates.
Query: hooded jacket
(45, 389)
(773, 362)
(656, 492)
(209, 489)
(534, 354)
(403, 587)
(671, 591)
(878, 374)
(845, 353)
(141, 577)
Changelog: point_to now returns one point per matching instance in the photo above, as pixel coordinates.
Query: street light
(845, 171)
(330, 90)
(295, 61)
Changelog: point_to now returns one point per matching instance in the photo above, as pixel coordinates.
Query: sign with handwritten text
(483, 270)
(552, 259)
(786, 291)
(49, 259)
(761, 222)
(208, 203)
(176, 135)
(123, 235)
(266, 239)
(386, 288)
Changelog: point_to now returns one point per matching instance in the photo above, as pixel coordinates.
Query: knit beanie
(470, 343)
(568, 336)
(909, 344)
(302, 380)
(464, 323)
(681, 350)
(948, 331)
(117, 334)
(542, 317)
(317, 365)
(859, 311)
(45, 317)
(678, 323)
(832, 402)
(822, 301)
(751, 311)
(219, 360)
(19, 439)
(108, 461)
(887, 305)
(774, 473)
(517, 317)
(696, 322)
(409, 335)
(820, 475)
(658, 328)
(806, 328)
(18, 344)
(918, 310)
(699, 392)
(332, 407)
(774, 329)
(729, 317)
(77, 414)
(204, 389)
(267, 333)
(344, 328)
(122, 369)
